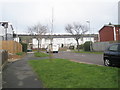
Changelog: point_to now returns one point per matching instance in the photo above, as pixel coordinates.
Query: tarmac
(19, 74)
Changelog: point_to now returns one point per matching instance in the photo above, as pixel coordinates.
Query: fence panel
(11, 46)
(100, 46)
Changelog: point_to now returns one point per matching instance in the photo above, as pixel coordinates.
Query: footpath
(19, 74)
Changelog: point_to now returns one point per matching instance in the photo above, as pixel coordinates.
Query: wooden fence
(11, 46)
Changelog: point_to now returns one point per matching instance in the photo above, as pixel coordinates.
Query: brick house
(109, 33)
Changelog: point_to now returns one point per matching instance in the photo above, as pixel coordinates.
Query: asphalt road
(81, 57)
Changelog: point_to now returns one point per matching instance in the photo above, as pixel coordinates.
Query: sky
(25, 13)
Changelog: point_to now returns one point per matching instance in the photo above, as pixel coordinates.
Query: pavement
(19, 74)
(96, 59)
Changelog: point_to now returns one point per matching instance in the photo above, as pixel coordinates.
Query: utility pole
(51, 38)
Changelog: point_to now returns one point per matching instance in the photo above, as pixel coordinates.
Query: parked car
(54, 48)
(112, 55)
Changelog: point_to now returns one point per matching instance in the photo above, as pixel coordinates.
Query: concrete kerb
(85, 62)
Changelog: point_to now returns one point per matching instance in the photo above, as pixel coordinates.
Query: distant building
(109, 33)
(61, 40)
(6, 31)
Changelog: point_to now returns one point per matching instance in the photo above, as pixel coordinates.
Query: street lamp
(90, 35)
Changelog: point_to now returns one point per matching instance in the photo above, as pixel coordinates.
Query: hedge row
(85, 46)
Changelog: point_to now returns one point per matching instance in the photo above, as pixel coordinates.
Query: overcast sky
(24, 13)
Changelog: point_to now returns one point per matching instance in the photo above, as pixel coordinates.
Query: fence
(11, 46)
(101, 46)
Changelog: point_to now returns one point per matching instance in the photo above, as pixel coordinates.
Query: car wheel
(107, 62)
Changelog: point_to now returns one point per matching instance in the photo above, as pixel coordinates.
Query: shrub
(80, 46)
(24, 47)
(87, 45)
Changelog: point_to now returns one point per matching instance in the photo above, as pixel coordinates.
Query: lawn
(60, 73)
(88, 52)
(20, 53)
(40, 54)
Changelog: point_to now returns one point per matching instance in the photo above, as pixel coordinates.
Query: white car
(54, 48)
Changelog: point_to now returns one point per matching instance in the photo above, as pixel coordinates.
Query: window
(114, 48)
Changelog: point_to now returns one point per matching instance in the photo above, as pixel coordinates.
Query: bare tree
(39, 30)
(77, 30)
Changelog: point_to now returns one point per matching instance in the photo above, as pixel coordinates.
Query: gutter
(114, 33)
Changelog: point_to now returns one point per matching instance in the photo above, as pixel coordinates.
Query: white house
(6, 31)
(65, 40)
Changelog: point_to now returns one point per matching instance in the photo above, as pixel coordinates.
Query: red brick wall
(106, 34)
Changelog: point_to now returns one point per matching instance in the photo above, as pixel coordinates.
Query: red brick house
(109, 33)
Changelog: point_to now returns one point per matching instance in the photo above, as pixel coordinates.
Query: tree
(39, 30)
(77, 30)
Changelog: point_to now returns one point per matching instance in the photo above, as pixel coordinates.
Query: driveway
(81, 57)
(20, 75)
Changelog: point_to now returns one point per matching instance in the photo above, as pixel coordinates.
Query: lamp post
(89, 35)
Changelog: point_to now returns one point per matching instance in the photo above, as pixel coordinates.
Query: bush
(80, 46)
(87, 46)
(71, 47)
(24, 47)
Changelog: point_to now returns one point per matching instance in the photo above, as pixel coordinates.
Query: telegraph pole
(51, 32)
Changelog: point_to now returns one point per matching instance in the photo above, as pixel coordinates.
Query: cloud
(23, 13)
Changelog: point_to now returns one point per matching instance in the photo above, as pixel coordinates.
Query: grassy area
(34, 50)
(88, 52)
(40, 54)
(20, 53)
(61, 73)
(62, 49)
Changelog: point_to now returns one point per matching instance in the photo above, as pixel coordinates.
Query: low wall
(3, 62)
(3, 58)
(101, 46)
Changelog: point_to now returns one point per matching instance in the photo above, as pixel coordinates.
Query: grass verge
(20, 53)
(40, 54)
(61, 73)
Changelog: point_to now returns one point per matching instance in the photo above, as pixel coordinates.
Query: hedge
(87, 46)
(24, 47)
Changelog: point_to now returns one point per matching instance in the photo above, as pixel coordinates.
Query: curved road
(81, 57)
